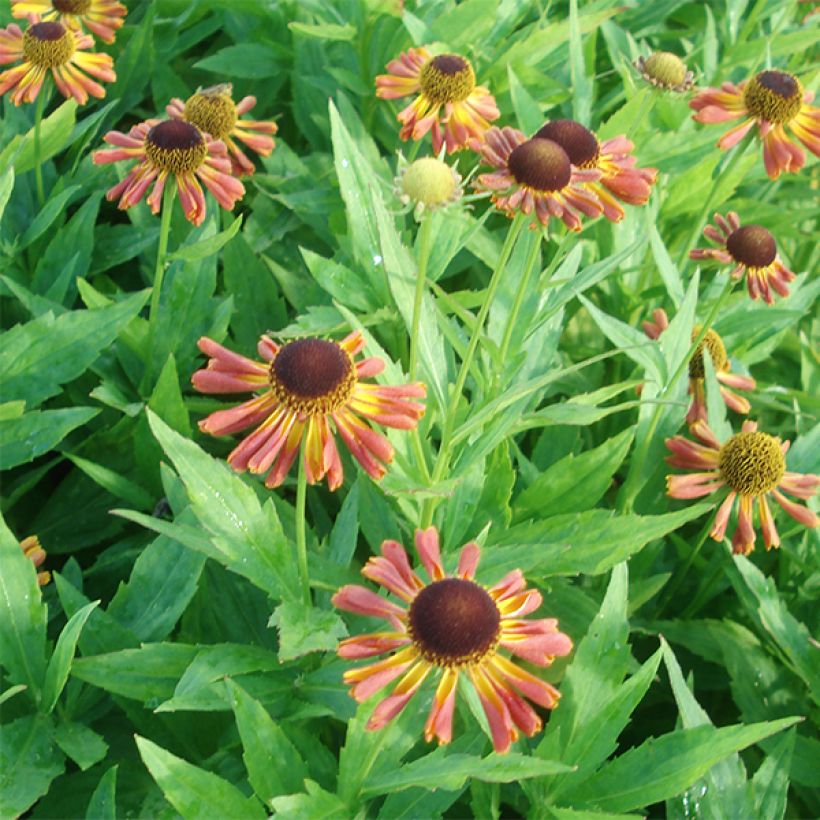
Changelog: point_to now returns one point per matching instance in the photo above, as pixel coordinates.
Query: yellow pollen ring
(774, 96)
(752, 463)
(716, 349)
(667, 68)
(71, 6)
(213, 113)
(175, 147)
(447, 78)
(47, 45)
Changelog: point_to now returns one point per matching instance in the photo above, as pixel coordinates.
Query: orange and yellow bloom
(753, 466)
(771, 100)
(171, 148)
(213, 111)
(445, 81)
(303, 386)
(37, 555)
(536, 176)
(100, 17)
(50, 46)
(753, 252)
(620, 179)
(456, 626)
(713, 345)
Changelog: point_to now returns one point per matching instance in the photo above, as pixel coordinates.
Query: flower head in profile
(713, 345)
(753, 466)
(100, 17)
(302, 387)
(427, 184)
(51, 46)
(445, 81)
(213, 111)
(37, 555)
(772, 100)
(753, 252)
(536, 176)
(620, 179)
(666, 71)
(171, 148)
(451, 626)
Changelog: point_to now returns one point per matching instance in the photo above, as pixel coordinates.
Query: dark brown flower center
(773, 96)
(71, 6)
(580, 143)
(312, 375)
(48, 44)
(176, 147)
(716, 349)
(752, 463)
(212, 111)
(753, 246)
(540, 164)
(447, 78)
(454, 622)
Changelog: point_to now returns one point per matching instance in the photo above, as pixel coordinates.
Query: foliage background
(177, 620)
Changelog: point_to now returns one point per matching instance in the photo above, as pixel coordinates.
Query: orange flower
(447, 80)
(51, 46)
(305, 384)
(753, 466)
(33, 551)
(456, 626)
(772, 100)
(101, 17)
(213, 111)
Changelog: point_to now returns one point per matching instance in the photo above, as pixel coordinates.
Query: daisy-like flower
(447, 80)
(101, 17)
(753, 466)
(50, 45)
(753, 252)
(713, 345)
(666, 71)
(613, 158)
(37, 555)
(427, 184)
(213, 111)
(536, 175)
(772, 100)
(303, 385)
(171, 147)
(455, 626)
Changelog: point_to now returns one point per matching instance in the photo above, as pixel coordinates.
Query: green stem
(674, 586)
(301, 540)
(425, 235)
(162, 250)
(448, 427)
(38, 165)
(631, 487)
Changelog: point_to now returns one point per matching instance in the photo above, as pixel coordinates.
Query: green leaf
(248, 537)
(148, 674)
(83, 745)
(24, 438)
(316, 804)
(103, 803)
(116, 484)
(770, 784)
(345, 532)
(208, 246)
(324, 31)
(528, 112)
(6, 187)
(581, 79)
(55, 131)
(304, 629)
(192, 791)
(556, 491)
(60, 663)
(29, 762)
(663, 767)
(247, 61)
(451, 772)
(45, 353)
(760, 597)
(274, 765)
(22, 617)
(52, 209)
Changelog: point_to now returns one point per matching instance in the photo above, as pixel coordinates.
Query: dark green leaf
(103, 803)
(83, 745)
(305, 629)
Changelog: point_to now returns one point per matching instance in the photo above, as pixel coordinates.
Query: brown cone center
(773, 96)
(447, 78)
(454, 622)
(176, 147)
(311, 368)
(579, 142)
(48, 44)
(752, 245)
(540, 164)
(71, 6)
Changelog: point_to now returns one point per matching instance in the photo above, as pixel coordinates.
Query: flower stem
(448, 426)
(674, 586)
(301, 540)
(162, 250)
(631, 486)
(38, 165)
(425, 235)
